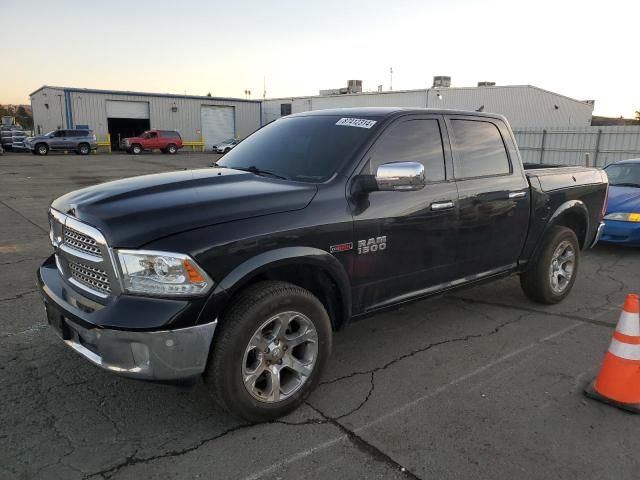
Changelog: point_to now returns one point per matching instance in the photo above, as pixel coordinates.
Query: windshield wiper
(252, 169)
(259, 171)
(625, 184)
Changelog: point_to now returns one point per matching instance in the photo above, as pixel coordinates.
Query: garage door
(124, 109)
(218, 124)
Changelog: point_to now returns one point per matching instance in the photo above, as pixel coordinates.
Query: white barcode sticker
(356, 122)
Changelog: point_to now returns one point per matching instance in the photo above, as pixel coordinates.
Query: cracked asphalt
(481, 383)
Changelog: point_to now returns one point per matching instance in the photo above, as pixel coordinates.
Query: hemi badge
(343, 247)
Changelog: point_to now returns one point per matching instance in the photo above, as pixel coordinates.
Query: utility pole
(390, 78)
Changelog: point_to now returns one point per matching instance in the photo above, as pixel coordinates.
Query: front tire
(552, 275)
(42, 149)
(136, 149)
(269, 351)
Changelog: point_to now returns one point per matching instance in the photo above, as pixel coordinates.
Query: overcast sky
(583, 49)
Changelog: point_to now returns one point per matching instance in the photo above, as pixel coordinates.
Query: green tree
(23, 118)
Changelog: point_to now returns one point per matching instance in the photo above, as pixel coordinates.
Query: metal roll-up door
(218, 124)
(126, 109)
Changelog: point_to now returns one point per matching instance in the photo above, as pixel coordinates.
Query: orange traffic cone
(618, 382)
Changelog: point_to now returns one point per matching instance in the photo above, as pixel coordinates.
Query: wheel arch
(313, 269)
(574, 215)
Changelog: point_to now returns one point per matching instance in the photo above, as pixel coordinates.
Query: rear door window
(479, 150)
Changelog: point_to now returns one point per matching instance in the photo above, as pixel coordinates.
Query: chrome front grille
(80, 241)
(91, 277)
(83, 256)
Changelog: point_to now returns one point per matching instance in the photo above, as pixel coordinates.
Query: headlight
(162, 273)
(623, 217)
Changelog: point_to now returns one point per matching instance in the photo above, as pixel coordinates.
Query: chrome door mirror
(401, 176)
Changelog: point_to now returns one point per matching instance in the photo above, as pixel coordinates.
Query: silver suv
(81, 141)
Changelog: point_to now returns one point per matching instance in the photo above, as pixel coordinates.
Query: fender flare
(290, 256)
(570, 206)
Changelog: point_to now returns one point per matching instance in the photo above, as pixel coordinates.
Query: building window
(285, 109)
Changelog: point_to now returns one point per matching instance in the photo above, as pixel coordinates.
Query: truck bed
(558, 177)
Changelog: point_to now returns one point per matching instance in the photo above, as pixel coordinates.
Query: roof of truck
(389, 111)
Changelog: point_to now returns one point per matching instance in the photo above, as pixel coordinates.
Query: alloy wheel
(561, 268)
(280, 357)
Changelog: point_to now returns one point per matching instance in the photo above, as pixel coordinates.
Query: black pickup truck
(240, 272)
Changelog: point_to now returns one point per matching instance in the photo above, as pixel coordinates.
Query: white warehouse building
(117, 114)
(122, 114)
(525, 106)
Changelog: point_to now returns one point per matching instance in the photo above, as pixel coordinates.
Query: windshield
(304, 149)
(624, 174)
(228, 140)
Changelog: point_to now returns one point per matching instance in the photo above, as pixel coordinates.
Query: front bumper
(163, 354)
(619, 232)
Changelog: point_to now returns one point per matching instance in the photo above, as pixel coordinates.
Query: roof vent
(441, 81)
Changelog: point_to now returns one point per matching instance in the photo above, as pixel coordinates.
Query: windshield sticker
(356, 122)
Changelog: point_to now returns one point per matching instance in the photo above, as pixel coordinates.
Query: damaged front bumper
(162, 354)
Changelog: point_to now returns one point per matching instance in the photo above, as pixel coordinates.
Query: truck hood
(135, 211)
(623, 199)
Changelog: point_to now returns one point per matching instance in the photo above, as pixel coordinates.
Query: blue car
(622, 220)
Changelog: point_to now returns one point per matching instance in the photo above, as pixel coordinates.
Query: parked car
(167, 141)
(622, 219)
(81, 141)
(241, 272)
(226, 145)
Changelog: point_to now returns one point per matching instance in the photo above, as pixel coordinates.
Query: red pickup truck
(167, 141)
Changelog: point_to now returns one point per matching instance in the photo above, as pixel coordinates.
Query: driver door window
(411, 141)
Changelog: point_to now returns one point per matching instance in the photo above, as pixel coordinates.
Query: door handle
(517, 195)
(442, 205)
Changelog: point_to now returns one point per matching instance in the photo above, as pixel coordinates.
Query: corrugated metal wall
(568, 146)
(49, 110)
(89, 108)
(414, 98)
(524, 106)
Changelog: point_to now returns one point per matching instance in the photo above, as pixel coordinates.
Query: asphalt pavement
(479, 384)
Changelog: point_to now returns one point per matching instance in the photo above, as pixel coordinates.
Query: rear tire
(42, 149)
(172, 149)
(260, 335)
(551, 276)
(84, 149)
